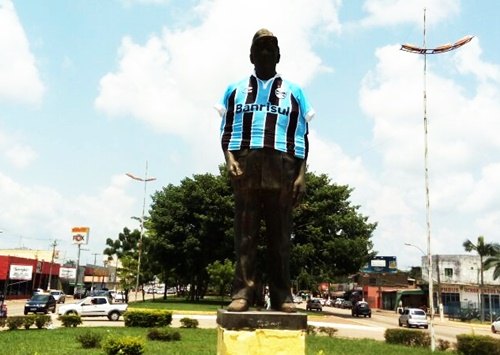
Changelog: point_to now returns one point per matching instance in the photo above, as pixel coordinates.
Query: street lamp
(412, 245)
(424, 51)
(145, 180)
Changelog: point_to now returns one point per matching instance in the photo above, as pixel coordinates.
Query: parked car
(338, 302)
(346, 304)
(361, 309)
(314, 304)
(38, 290)
(413, 317)
(40, 303)
(297, 299)
(118, 296)
(58, 295)
(495, 326)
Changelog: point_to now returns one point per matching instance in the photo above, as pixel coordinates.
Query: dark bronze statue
(264, 139)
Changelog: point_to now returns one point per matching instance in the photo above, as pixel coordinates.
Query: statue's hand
(232, 165)
(299, 188)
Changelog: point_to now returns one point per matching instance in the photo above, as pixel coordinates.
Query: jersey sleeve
(221, 106)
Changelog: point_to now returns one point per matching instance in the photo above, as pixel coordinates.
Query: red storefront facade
(23, 288)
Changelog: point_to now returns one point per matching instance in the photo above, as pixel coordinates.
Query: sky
(91, 90)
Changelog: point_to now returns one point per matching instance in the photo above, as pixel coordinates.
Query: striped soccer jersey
(271, 114)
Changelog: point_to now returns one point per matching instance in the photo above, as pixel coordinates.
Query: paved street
(340, 319)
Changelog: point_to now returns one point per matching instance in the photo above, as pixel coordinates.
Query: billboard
(80, 235)
(67, 273)
(381, 264)
(20, 272)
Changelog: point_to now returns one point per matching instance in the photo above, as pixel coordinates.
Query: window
(448, 272)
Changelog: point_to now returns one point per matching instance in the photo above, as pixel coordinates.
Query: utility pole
(54, 244)
(93, 271)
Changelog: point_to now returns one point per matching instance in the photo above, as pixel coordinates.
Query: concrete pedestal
(259, 333)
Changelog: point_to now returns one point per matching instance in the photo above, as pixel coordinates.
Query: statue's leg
(247, 224)
(278, 223)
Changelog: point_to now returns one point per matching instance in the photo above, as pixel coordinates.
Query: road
(341, 319)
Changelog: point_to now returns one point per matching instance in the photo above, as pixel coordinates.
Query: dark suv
(40, 303)
(361, 309)
(314, 304)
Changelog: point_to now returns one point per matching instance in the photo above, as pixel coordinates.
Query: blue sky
(91, 90)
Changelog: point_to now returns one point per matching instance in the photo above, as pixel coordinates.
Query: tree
(331, 239)
(191, 226)
(494, 261)
(221, 275)
(125, 249)
(482, 249)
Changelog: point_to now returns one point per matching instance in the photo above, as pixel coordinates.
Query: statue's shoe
(288, 307)
(238, 305)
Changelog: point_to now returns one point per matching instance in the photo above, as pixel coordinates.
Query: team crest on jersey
(280, 93)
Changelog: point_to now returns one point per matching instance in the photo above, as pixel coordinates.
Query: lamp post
(139, 247)
(424, 51)
(412, 245)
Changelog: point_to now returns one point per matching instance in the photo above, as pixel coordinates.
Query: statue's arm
(299, 185)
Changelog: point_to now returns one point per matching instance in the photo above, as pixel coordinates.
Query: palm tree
(482, 249)
(494, 261)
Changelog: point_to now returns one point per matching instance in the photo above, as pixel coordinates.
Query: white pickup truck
(94, 306)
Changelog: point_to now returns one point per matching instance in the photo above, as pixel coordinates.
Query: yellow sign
(80, 235)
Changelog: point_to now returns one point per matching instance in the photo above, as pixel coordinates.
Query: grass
(180, 304)
(342, 346)
(62, 341)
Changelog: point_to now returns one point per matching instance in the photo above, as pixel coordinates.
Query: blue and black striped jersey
(271, 114)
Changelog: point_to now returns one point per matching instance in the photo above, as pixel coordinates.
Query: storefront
(19, 277)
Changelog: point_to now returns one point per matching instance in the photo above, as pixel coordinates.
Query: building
(457, 282)
(386, 290)
(19, 276)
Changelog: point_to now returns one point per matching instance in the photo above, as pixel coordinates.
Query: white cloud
(44, 214)
(19, 77)
(395, 12)
(14, 150)
(20, 155)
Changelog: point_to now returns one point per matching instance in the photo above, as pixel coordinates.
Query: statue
(264, 139)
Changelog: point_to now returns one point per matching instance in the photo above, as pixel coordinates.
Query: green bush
(14, 323)
(3, 322)
(42, 320)
(89, 340)
(189, 323)
(128, 345)
(311, 330)
(469, 344)
(70, 320)
(407, 337)
(163, 334)
(147, 318)
(443, 345)
(28, 321)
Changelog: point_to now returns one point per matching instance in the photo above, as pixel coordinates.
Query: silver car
(413, 317)
(495, 326)
(58, 295)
